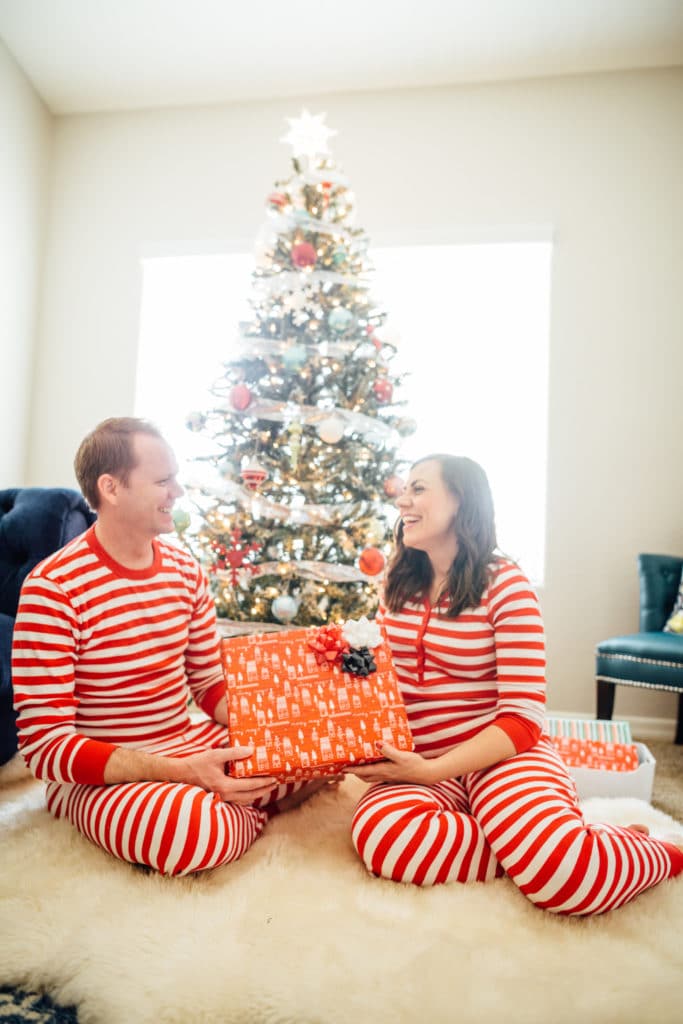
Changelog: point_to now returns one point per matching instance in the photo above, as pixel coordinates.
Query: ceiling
(99, 55)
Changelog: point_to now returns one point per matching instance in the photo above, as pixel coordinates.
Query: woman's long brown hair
(410, 573)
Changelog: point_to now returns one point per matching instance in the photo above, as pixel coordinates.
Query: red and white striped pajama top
(519, 817)
(106, 656)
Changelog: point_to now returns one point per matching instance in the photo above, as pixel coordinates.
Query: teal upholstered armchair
(649, 658)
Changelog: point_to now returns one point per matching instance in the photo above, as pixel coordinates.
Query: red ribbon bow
(328, 644)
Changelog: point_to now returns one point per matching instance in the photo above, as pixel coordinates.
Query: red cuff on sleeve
(211, 698)
(90, 760)
(523, 733)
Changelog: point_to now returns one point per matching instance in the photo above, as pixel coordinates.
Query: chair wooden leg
(606, 699)
(679, 723)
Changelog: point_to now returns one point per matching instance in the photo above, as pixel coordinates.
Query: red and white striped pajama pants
(520, 818)
(174, 828)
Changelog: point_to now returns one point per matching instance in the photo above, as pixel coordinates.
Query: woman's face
(427, 509)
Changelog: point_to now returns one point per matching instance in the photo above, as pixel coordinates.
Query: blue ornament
(339, 319)
(339, 257)
(294, 357)
(195, 422)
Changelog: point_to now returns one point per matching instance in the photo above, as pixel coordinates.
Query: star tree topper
(307, 135)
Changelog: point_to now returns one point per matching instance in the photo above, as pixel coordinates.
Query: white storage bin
(597, 782)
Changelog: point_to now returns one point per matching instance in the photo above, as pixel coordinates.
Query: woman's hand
(400, 766)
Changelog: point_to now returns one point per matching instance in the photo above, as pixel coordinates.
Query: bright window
(473, 322)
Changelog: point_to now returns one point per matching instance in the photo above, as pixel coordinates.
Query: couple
(113, 630)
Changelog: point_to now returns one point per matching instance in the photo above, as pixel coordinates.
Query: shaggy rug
(298, 933)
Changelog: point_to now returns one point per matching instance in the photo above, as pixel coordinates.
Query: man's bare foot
(292, 800)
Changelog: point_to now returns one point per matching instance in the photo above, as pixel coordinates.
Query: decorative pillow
(674, 624)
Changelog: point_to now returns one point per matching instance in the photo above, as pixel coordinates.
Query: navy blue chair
(650, 658)
(34, 522)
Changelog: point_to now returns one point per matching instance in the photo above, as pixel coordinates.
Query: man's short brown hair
(109, 449)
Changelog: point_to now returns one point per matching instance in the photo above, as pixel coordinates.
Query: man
(110, 633)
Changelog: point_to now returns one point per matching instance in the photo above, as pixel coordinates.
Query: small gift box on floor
(594, 743)
(602, 758)
(312, 701)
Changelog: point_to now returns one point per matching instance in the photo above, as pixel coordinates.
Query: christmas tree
(293, 505)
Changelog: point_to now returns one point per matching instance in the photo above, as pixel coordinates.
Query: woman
(485, 793)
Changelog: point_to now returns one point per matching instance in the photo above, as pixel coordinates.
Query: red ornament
(371, 561)
(235, 557)
(393, 486)
(253, 474)
(383, 389)
(304, 255)
(240, 397)
(277, 199)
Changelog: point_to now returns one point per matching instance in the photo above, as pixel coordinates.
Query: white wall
(25, 137)
(598, 157)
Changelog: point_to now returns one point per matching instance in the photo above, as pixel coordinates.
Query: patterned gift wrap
(594, 743)
(306, 719)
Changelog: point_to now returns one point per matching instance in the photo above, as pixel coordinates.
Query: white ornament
(308, 135)
(362, 633)
(285, 607)
(331, 430)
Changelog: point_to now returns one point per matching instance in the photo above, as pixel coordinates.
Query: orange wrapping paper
(304, 719)
(611, 757)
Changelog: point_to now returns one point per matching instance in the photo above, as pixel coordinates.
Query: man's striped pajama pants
(171, 827)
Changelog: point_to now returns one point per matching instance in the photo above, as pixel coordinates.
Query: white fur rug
(298, 933)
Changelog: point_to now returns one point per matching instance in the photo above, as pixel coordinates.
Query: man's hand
(400, 766)
(208, 771)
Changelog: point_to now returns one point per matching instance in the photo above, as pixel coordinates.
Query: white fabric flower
(362, 633)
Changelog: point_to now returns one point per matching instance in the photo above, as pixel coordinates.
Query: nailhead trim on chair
(643, 686)
(642, 661)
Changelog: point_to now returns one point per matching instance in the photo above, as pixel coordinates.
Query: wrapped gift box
(598, 782)
(603, 730)
(601, 757)
(608, 757)
(307, 719)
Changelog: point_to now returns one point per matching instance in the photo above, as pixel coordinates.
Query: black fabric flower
(358, 661)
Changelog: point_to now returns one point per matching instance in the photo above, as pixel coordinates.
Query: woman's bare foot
(643, 829)
(671, 840)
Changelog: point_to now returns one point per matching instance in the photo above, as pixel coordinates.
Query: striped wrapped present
(594, 743)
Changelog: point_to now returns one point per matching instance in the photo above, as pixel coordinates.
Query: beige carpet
(298, 933)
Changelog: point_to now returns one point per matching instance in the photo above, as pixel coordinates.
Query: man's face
(145, 503)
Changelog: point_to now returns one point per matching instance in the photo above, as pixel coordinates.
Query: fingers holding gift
(246, 791)
(209, 768)
(398, 766)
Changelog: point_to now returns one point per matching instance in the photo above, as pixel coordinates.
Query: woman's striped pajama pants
(171, 827)
(520, 818)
